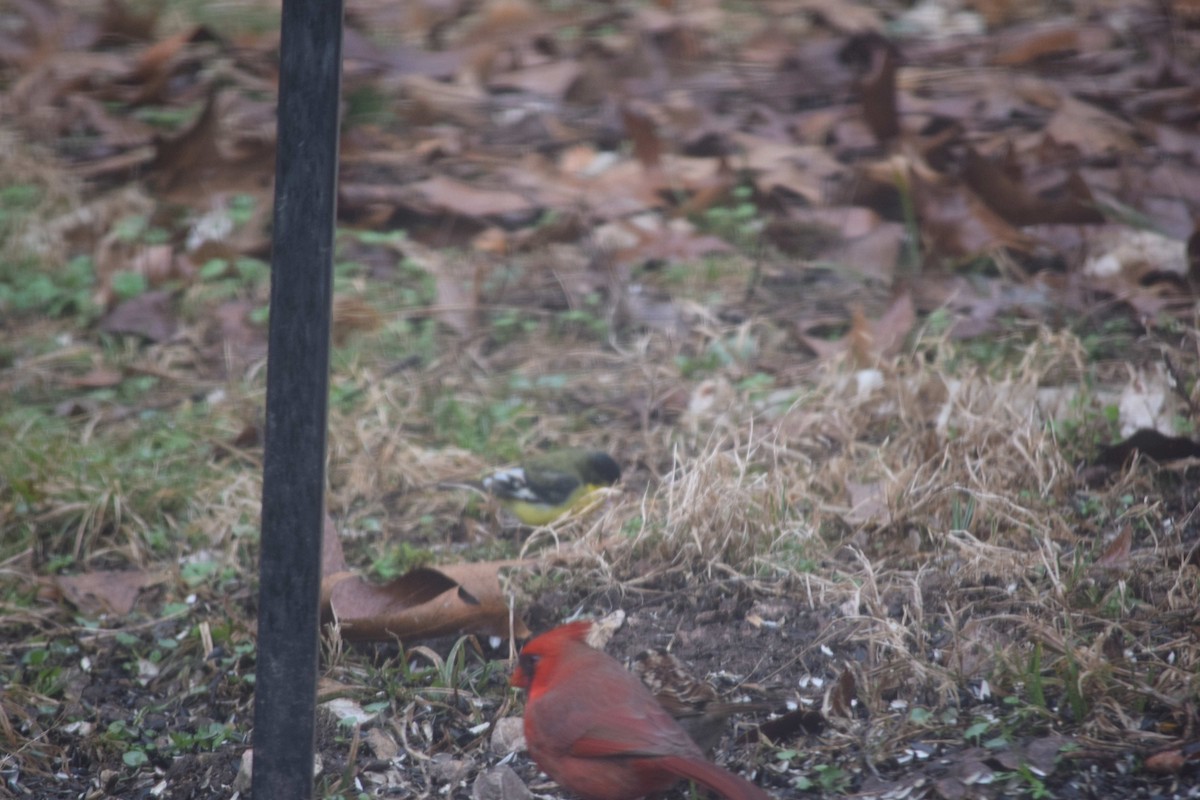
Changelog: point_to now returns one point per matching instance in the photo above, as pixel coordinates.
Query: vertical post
(297, 398)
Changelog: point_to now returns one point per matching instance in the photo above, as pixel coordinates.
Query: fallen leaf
(457, 280)
(839, 700)
(1001, 190)
(438, 101)
(643, 132)
(957, 225)
(98, 378)
(233, 340)
(422, 603)
(1045, 42)
(788, 169)
(889, 332)
(440, 194)
(1174, 759)
(229, 148)
(868, 503)
(553, 79)
(106, 591)
(869, 340)
(150, 315)
(121, 23)
(874, 254)
(673, 241)
(1116, 555)
(875, 60)
(1089, 128)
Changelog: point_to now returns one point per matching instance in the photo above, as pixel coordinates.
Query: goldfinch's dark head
(599, 469)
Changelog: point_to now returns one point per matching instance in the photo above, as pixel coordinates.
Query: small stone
(499, 783)
(508, 736)
(445, 768)
(245, 772)
(383, 746)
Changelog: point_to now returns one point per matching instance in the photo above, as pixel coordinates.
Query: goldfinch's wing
(554, 484)
(533, 483)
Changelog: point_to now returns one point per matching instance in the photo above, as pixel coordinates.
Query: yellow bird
(545, 487)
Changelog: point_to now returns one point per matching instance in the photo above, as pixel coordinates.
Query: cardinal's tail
(721, 781)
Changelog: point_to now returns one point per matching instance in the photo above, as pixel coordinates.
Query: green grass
(28, 288)
(72, 491)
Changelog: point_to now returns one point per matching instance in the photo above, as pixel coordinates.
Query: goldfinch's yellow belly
(542, 514)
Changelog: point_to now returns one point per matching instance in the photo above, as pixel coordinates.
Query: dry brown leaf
(801, 170)
(1091, 129)
(422, 603)
(956, 224)
(182, 159)
(232, 340)
(608, 188)
(458, 283)
(553, 79)
(48, 30)
(889, 332)
(875, 60)
(709, 192)
(1030, 45)
(106, 591)
(154, 71)
(449, 196)
(333, 558)
(874, 254)
(869, 340)
(435, 101)
(1174, 759)
(493, 241)
(375, 49)
(122, 23)
(823, 348)
(230, 147)
(1128, 255)
(1004, 194)
(868, 503)
(1116, 555)
(642, 130)
(859, 339)
(154, 59)
(98, 378)
(150, 315)
(670, 242)
(839, 701)
(847, 18)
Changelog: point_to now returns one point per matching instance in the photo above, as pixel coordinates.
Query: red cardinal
(594, 728)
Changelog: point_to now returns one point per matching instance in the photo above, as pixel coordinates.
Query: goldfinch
(546, 487)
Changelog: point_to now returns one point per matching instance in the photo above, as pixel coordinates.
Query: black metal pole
(293, 504)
